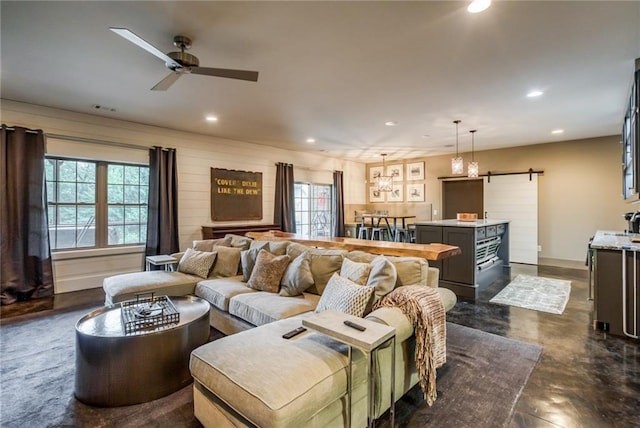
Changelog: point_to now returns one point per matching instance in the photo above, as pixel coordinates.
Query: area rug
(535, 292)
(479, 386)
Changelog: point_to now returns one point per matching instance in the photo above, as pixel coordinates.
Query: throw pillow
(354, 271)
(268, 271)
(239, 241)
(297, 278)
(248, 260)
(383, 277)
(275, 247)
(294, 250)
(411, 270)
(227, 262)
(324, 263)
(345, 296)
(208, 244)
(196, 262)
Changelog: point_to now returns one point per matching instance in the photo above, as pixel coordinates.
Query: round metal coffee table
(118, 369)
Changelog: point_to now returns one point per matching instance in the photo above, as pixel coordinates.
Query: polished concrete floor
(585, 377)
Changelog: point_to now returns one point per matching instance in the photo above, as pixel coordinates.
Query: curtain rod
(494, 174)
(305, 168)
(95, 141)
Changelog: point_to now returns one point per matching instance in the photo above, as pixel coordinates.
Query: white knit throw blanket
(425, 309)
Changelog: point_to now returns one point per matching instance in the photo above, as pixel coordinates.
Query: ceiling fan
(182, 62)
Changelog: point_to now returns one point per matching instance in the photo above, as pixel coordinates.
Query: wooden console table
(427, 251)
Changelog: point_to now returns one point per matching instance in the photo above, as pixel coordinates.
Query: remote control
(292, 333)
(354, 325)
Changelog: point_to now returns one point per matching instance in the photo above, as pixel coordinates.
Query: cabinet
(617, 292)
(485, 252)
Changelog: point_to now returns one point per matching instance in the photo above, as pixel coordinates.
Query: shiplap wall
(196, 155)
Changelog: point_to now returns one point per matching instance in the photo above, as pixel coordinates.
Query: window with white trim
(313, 210)
(95, 204)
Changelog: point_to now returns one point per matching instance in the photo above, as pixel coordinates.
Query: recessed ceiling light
(311, 140)
(477, 6)
(391, 123)
(211, 119)
(557, 131)
(535, 93)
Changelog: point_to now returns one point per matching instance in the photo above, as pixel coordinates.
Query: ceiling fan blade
(166, 83)
(133, 38)
(225, 72)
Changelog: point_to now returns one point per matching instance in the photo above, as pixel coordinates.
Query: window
(313, 210)
(94, 204)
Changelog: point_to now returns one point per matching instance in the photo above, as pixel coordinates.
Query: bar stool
(411, 233)
(378, 233)
(363, 233)
(400, 235)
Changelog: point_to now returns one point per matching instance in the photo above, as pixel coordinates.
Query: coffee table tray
(148, 313)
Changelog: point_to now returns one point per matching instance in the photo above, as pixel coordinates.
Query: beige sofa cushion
(295, 249)
(219, 291)
(264, 386)
(123, 287)
(324, 263)
(263, 307)
(410, 270)
(248, 260)
(277, 248)
(208, 244)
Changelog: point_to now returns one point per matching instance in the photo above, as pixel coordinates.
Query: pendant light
(473, 168)
(457, 164)
(385, 182)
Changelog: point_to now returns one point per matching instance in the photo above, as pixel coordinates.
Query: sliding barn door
(515, 198)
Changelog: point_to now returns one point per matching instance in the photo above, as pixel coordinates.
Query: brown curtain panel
(162, 220)
(25, 255)
(284, 213)
(338, 204)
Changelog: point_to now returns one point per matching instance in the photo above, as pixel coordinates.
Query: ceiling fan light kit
(182, 62)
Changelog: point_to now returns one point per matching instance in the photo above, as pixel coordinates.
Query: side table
(331, 323)
(163, 260)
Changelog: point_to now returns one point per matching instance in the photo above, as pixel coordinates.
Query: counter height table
(376, 219)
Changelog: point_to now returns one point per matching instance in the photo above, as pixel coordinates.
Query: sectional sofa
(255, 377)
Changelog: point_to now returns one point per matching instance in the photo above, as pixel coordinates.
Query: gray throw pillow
(248, 260)
(297, 278)
(196, 262)
(239, 241)
(345, 296)
(227, 262)
(383, 277)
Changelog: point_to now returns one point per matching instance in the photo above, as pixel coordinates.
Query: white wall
(196, 155)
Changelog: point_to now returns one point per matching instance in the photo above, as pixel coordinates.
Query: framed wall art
(374, 173)
(375, 195)
(415, 192)
(415, 171)
(396, 193)
(395, 171)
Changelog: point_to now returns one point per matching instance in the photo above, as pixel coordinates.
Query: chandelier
(385, 182)
(457, 164)
(473, 168)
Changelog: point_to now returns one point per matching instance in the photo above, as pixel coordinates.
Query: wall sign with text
(235, 195)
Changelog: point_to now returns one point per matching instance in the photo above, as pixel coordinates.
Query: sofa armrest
(433, 277)
(393, 317)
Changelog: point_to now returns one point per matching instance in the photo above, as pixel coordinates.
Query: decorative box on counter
(467, 217)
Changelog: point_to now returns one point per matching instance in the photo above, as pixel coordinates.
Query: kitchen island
(485, 252)
(616, 270)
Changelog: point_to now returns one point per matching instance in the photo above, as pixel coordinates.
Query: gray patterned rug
(535, 292)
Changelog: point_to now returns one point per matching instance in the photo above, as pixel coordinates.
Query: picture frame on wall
(396, 194)
(375, 195)
(415, 192)
(415, 171)
(396, 171)
(374, 173)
